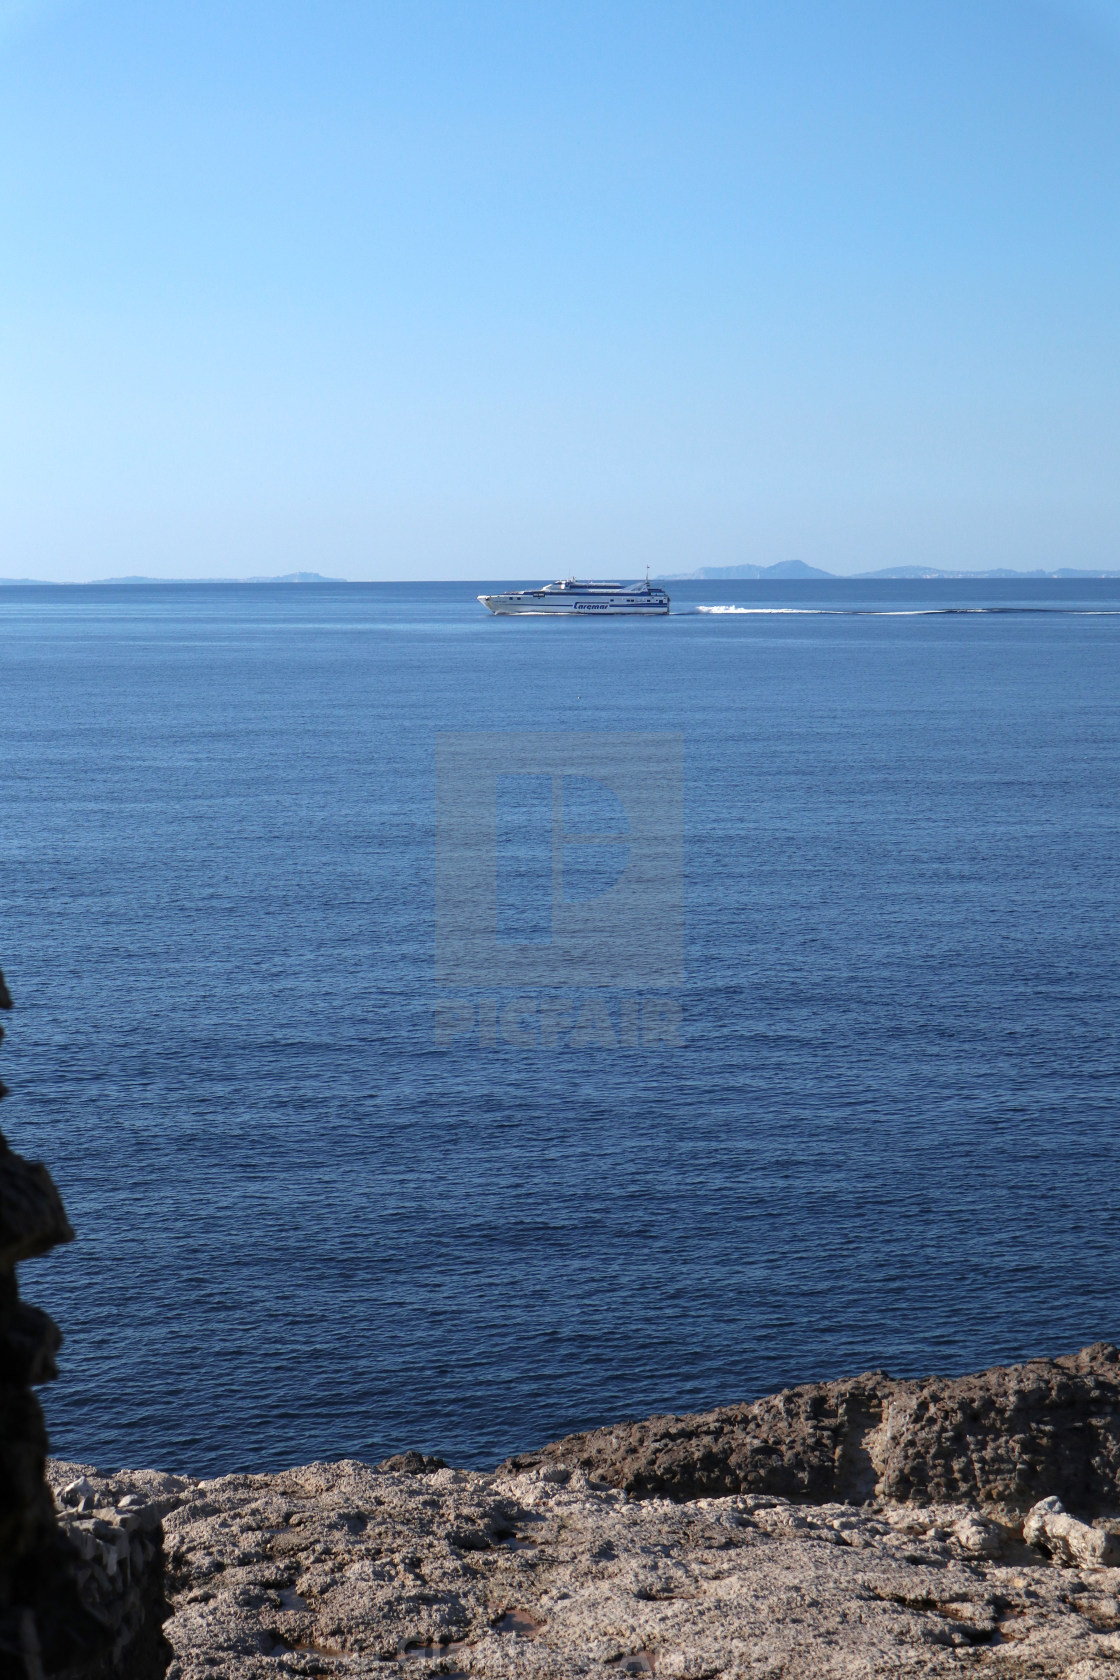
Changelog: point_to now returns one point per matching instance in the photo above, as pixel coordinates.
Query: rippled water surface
(890, 1137)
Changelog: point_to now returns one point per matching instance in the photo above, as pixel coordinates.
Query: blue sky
(450, 288)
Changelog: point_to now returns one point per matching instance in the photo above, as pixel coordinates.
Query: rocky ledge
(351, 1570)
(1004, 1438)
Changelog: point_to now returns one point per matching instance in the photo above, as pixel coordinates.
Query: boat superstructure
(576, 598)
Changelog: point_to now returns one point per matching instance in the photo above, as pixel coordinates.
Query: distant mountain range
(786, 569)
(996, 572)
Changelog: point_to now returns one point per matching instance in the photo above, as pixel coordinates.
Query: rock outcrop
(1005, 1439)
(76, 1601)
(887, 1531)
(1051, 1529)
(369, 1574)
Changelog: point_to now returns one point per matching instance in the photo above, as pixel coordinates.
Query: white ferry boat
(570, 596)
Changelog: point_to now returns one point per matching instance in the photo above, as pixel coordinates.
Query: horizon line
(890, 574)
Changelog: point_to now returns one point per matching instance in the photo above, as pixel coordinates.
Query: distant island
(786, 569)
(285, 577)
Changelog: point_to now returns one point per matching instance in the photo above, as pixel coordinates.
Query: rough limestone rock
(1004, 1439)
(1049, 1527)
(118, 1571)
(358, 1572)
(79, 1599)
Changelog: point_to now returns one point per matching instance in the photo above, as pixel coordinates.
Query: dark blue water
(890, 1137)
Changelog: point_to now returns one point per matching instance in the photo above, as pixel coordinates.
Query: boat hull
(510, 605)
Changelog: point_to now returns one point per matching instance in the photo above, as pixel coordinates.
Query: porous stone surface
(1004, 1438)
(350, 1570)
(1050, 1527)
(80, 1599)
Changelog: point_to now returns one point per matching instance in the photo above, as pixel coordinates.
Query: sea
(877, 1127)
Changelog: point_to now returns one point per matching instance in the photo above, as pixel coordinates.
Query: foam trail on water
(908, 612)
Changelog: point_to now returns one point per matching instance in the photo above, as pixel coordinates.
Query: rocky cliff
(1005, 1438)
(362, 1572)
(75, 1603)
(833, 1532)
